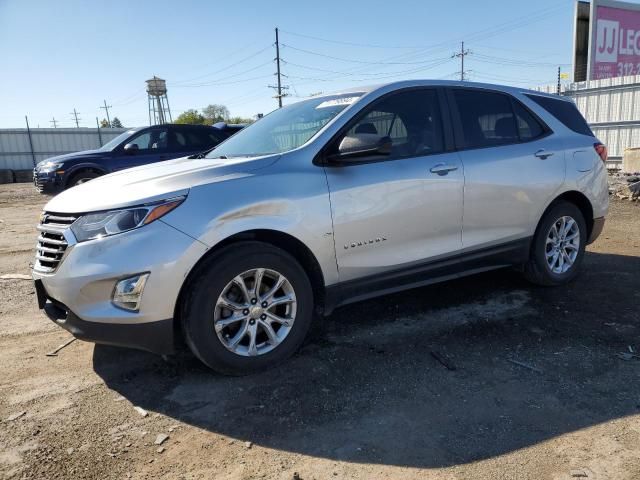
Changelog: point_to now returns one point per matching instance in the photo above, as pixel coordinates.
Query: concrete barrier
(6, 176)
(631, 160)
(23, 176)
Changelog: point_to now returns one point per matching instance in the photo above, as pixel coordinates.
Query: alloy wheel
(562, 244)
(255, 312)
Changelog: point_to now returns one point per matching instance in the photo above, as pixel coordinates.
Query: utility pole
(75, 115)
(33, 155)
(106, 109)
(463, 53)
(99, 134)
(54, 122)
(559, 75)
(279, 88)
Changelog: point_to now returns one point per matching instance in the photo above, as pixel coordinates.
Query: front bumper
(47, 182)
(155, 337)
(77, 295)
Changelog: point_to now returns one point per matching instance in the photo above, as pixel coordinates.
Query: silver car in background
(328, 201)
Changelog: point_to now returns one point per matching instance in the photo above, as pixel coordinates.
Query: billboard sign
(614, 30)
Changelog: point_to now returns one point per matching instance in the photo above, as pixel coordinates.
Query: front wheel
(558, 246)
(82, 177)
(249, 308)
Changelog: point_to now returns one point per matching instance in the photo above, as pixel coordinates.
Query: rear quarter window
(565, 112)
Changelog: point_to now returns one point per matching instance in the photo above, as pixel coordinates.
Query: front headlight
(103, 224)
(49, 166)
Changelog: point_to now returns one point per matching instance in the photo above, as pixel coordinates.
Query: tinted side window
(179, 141)
(486, 117)
(184, 139)
(155, 139)
(564, 111)
(529, 128)
(208, 139)
(411, 119)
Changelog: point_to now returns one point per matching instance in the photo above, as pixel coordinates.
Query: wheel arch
(276, 238)
(581, 201)
(91, 167)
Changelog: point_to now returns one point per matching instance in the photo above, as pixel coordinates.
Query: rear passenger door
(513, 166)
(187, 141)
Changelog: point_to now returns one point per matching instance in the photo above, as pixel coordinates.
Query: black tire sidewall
(80, 175)
(559, 210)
(206, 287)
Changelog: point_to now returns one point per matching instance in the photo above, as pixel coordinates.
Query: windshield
(113, 143)
(284, 129)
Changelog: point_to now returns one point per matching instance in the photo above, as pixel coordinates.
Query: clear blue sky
(66, 54)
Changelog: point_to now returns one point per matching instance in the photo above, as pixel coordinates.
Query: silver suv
(324, 202)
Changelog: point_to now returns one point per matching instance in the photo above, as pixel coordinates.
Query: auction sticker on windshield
(337, 102)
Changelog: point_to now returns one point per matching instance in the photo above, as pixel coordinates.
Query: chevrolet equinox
(324, 202)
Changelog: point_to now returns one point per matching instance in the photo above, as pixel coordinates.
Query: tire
(82, 177)
(545, 272)
(203, 314)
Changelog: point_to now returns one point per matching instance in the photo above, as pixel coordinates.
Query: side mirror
(131, 148)
(362, 145)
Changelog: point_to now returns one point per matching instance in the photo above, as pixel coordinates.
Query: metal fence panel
(15, 151)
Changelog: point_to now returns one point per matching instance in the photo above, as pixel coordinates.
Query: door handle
(542, 154)
(442, 169)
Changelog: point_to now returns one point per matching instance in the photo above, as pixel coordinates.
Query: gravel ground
(536, 386)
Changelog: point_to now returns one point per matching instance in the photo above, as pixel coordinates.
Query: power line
(481, 34)
(125, 100)
(217, 80)
(351, 60)
(253, 55)
(378, 76)
(507, 78)
(513, 61)
(368, 45)
(347, 73)
(54, 122)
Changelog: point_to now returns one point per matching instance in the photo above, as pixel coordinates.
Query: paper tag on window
(336, 102)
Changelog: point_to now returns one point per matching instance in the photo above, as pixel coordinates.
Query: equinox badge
(366, 242)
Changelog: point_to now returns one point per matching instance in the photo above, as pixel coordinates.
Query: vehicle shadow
(366, 387)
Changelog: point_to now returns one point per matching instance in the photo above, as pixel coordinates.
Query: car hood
(153, 182)
(73, 156)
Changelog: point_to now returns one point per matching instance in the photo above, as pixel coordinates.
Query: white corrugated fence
(15, 148)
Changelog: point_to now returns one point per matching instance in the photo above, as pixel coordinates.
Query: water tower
(158, 101)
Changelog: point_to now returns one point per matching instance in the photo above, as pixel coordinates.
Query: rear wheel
(82, 177)
(249, 308)
(558, 246)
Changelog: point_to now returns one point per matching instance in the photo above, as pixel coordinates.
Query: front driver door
(153, 146)
(399, 210)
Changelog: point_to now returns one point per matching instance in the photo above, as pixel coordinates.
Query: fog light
(128, 292)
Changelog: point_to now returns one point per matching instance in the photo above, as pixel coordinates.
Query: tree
(240, 120)
(116, 123)
(191, 117)
(215, 113)
(104, 123)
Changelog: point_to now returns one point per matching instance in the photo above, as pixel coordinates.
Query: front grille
(36, 181)
(51, 242)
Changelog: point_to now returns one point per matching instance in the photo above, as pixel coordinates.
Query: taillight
(601, 150)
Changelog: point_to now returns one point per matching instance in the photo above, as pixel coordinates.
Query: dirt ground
(537, 386)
